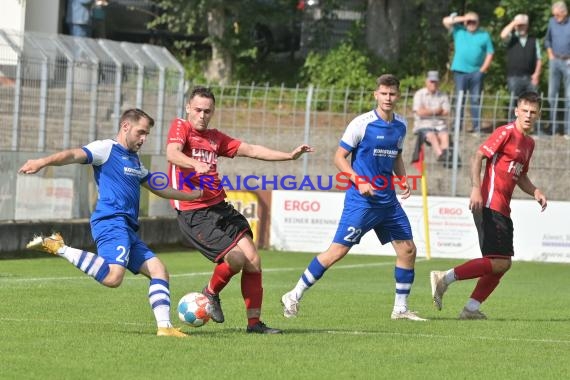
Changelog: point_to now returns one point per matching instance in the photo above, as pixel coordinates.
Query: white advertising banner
(306, 221)
(44, 198)
(541, 236)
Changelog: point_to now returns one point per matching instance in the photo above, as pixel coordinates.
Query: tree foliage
(342, 67)
(229, 27)
(422, 41)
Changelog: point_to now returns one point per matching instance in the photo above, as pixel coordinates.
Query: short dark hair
(388, 80)
(134, 115)
(529, 97)
(203, 92)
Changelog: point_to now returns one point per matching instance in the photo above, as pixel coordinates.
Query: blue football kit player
(374, 140)
(119, 174)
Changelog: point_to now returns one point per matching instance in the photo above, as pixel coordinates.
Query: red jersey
(206, 147)
(508, 153)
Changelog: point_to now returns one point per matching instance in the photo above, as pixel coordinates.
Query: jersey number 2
(353, 235)
(124, 255)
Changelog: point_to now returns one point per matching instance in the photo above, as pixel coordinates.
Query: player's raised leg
(438, 287)
(87, 262)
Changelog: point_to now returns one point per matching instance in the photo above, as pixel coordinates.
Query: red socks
(485, 286)
(473, 269)
(252, 292)
(251, 288)
(483, 269)
(220, 278)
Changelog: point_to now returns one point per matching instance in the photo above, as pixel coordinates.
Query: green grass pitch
(56, 323)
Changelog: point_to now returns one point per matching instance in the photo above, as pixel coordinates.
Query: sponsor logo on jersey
(206, 156)
(132, 171)
(515, 168)
(392, 153)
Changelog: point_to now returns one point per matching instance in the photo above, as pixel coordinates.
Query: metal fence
(284, 117)
(66, 92)
(60, 91)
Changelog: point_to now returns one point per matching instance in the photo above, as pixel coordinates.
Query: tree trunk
(383, 24)
(220, 67)
(393, 26)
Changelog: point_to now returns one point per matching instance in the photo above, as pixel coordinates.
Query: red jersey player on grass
(210, 224)
(507, 151)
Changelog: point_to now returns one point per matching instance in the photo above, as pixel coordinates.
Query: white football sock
(449, 276)
(159, 298)
(472, 305)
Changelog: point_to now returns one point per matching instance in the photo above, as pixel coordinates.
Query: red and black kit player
(508, 152)
(209, 223)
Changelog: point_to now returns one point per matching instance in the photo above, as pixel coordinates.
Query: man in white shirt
(431, 111)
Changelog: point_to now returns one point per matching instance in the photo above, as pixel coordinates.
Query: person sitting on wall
(431, 108)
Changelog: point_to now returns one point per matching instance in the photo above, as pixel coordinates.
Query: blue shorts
(119, 244)
(389, 223)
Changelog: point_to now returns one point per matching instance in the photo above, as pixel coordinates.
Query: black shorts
(495, 233)
(213, 230)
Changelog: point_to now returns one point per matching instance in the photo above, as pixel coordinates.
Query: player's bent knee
(112, 281)
(236, 260)
(407, 249)
(115, 276)
(501, 265)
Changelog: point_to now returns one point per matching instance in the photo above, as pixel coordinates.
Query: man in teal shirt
(473, 55)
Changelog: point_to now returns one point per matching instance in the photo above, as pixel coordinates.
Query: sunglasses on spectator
(472, 22)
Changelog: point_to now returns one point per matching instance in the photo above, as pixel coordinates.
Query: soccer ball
(194, 309)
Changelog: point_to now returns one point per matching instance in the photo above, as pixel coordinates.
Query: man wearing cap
(523, 58)
(431, 108)
(557, 43)
(473, 55)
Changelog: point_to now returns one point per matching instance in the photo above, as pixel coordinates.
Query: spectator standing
(557, 44)
(524, 63)
(78, 17)
(431, 108)
(473, 55)
(99, 15)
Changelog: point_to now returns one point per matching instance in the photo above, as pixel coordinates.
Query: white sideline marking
(58, 321)
(460, 337)
(332, 332)
(189, 274)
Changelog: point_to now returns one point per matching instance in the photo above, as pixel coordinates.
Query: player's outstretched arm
(260, 152)
(170, 193)
(66, 157)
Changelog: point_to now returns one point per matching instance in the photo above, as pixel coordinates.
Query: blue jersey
(118, 174)
(374, 144)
